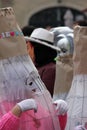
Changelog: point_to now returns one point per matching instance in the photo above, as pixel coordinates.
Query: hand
(28, 104)
(79, 127)
(61, 106)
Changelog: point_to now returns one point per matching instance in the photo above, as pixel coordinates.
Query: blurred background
(47, 13)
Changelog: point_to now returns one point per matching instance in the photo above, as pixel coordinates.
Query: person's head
(43, 54)
(41, 42)
(27, 30)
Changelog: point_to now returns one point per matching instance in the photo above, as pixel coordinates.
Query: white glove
(61, 106)
(80, 127)
(28, 104)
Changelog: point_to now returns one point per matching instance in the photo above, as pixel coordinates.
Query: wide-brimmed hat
(12, 42)
(44, 37)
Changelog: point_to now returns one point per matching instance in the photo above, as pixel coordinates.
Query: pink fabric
(30, 120)
(9, 122)
(63, 121)
(39, 120)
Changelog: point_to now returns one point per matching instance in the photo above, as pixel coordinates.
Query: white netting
(19, 80)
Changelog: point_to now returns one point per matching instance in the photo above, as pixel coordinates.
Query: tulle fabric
(77, 103)
(19, 80)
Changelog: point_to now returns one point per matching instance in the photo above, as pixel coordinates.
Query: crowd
(28, 59)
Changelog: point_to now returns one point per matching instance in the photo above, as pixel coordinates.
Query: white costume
(77, 97)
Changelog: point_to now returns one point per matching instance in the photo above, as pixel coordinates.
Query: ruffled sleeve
(9, 122)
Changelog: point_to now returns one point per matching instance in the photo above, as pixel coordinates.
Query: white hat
(43, 37)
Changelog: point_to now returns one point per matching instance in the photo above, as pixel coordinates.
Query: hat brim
(42, 43)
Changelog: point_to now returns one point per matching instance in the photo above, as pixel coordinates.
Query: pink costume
(20, 80)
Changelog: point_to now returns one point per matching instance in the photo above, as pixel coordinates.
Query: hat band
(43, 40)
(10, 34)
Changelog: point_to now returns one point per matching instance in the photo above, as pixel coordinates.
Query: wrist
(16, 111)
